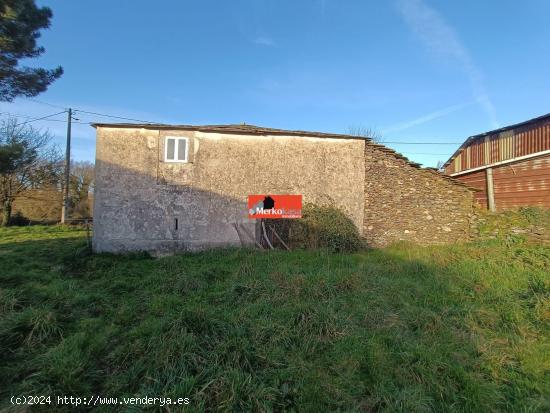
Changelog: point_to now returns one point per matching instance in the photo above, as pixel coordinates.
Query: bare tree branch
(366, 132)
(27, 160)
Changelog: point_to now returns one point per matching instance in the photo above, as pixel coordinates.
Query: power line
(424, 153)
(19, 115)
(88, 123)
(146, 121)
(47, 104)
(112, 116)
(46, 120)
(423, 143)
(92, 113)
(44, 117)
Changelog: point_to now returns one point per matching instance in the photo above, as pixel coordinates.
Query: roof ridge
(246, 128)
(236, 128)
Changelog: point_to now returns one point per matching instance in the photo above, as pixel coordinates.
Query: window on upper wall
(175, 149)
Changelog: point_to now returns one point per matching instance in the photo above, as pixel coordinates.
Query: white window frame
(177, 142)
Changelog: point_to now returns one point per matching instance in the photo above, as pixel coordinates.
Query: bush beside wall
(321, 227)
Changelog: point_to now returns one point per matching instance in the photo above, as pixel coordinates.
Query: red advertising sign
(274, 206)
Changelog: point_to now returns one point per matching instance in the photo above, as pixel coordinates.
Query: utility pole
(65, 207)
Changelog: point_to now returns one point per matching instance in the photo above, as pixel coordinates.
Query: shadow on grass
(402, 329)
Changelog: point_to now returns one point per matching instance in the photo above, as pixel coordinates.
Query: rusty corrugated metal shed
(504, 144)
(514, 161)
(516, 184)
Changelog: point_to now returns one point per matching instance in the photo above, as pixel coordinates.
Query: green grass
(502, 223)
(455, 328)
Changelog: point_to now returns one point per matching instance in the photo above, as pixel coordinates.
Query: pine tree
(20, 24)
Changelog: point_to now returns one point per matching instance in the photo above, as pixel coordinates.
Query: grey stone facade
(139, 195)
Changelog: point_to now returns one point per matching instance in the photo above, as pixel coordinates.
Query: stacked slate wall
(406, 202)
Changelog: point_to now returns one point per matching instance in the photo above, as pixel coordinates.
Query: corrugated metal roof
(500, 144)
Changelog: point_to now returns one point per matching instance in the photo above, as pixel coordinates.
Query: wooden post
(279, 238)
(266, 237)
(490, 190)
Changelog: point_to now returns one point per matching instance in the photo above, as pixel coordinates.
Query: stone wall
(406, 202)
(139, 197)
(142, 202)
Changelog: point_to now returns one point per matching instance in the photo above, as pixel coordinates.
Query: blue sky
(415, 70)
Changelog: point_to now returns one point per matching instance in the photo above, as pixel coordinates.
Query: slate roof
(245, 129)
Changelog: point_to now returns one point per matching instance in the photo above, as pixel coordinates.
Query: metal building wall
(517, 184)
(477, 180)
(523, 183)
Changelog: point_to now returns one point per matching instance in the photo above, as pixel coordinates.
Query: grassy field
(457, 328)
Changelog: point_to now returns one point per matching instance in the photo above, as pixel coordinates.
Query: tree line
(32, 179)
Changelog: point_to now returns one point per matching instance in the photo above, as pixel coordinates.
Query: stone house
(166, 188)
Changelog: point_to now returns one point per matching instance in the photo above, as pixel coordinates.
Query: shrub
(505, 224)
(324, 227)
(19, 220)
(536, 215)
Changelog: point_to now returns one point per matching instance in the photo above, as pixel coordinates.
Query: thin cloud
(441, 38)
(425, 118)
(264, 41)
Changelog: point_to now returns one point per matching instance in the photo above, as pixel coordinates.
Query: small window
(175, 149)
